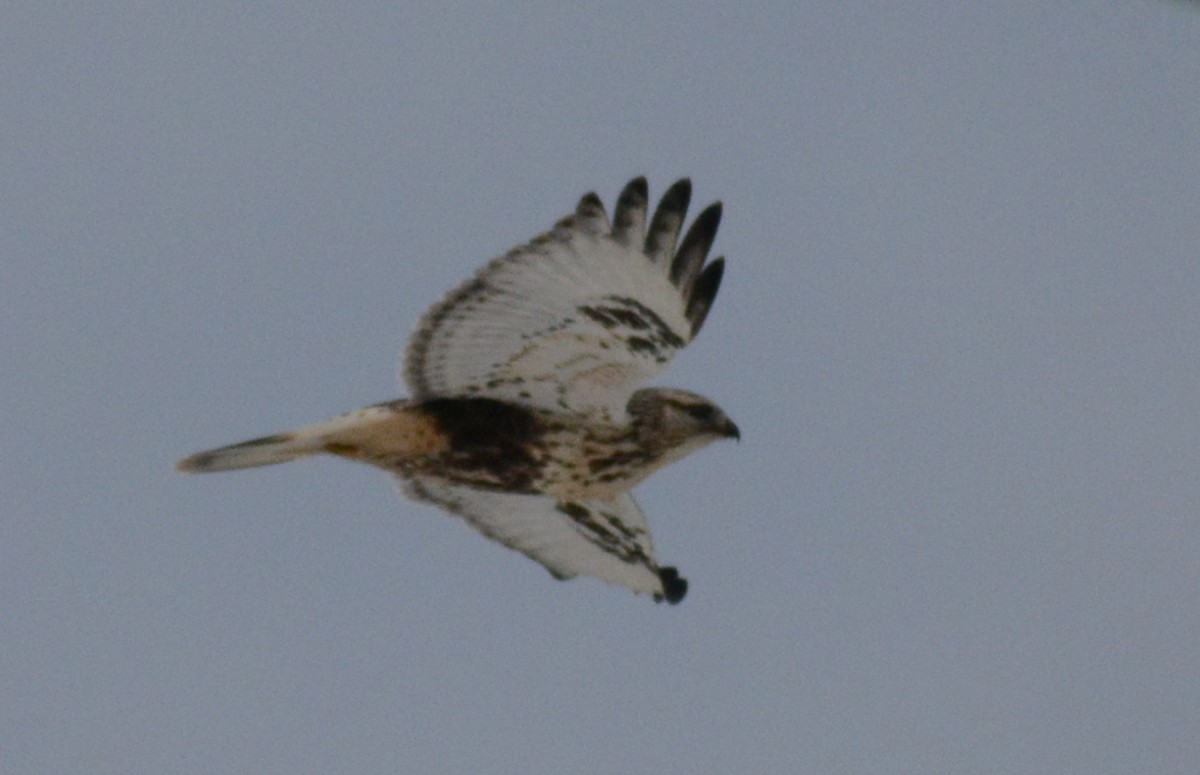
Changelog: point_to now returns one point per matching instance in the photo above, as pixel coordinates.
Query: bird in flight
(526, 416)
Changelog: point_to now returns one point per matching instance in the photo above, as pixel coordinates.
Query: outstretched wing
(605, 539)
(575, 319)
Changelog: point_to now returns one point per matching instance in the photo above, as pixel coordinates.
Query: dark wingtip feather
(674, 586)
(696, 244)
(629, 216)
(590, 213)
(678, 196)
(635, 192)
(704, 291)
(589, 203)
(668, 219)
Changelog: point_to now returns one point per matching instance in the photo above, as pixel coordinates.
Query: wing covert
(577, 317)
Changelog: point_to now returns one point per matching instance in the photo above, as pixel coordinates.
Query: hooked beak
(730, 431)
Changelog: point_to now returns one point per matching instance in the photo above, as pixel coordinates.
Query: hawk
(525, 416)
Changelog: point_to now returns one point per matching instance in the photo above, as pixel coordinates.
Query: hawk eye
(702, 412)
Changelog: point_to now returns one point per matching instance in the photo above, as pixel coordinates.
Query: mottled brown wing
(581, 315)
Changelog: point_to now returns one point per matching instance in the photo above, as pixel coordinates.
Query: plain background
(960, 331)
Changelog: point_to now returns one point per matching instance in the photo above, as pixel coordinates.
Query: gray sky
(960, 332)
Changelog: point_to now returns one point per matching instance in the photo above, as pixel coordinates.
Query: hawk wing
(576, 318)
(605, 539)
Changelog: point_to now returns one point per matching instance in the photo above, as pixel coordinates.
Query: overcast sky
(960, 332)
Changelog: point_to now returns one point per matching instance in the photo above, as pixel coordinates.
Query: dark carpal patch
(661, 329)
(640, 344)
(493, 444)
(574, 511)
(610, 317)
(635, 324)
(607, 532)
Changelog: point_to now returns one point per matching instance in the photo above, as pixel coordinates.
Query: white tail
(329, 436)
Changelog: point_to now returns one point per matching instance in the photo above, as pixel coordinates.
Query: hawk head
(676, 422)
